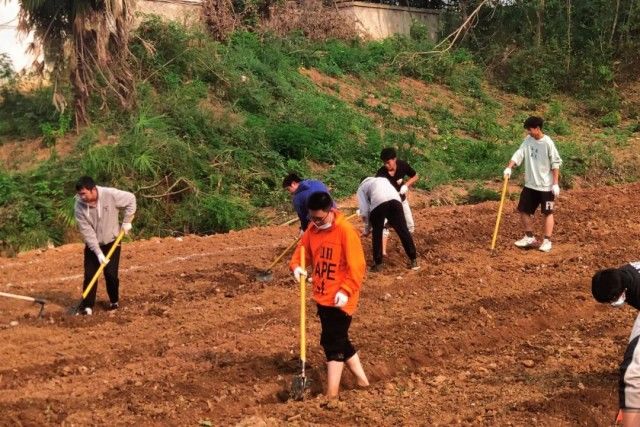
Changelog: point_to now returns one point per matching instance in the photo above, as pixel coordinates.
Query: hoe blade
(298, 386)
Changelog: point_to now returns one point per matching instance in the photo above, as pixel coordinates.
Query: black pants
(334, 337)
(391, 211)
(110, 272)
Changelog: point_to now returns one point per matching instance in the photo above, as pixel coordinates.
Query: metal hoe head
(299, 385)
(264, 276)
(42, 303)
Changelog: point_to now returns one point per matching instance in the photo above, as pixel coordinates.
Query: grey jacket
(99, 225)
(374, 191)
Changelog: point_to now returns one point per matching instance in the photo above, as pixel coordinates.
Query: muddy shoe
(545, 246)
(87, 311)
(331, 403)
(376, 268)
(413, 264)
(526, 242)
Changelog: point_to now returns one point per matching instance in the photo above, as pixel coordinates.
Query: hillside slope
(218, 125)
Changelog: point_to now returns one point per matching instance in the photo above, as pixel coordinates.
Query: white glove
(555, 190)
(507, 173)
(102, 259)
(299, 271)
(126, 227)
(404, 189)
(341, 299)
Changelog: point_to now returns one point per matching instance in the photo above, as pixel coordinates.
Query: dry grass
(315, 20)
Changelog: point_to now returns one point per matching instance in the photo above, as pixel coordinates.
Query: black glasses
(319, 220)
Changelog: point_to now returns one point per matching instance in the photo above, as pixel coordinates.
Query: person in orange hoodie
(333, 249)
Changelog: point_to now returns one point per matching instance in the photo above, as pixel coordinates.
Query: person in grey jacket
(96, 211)
(541, 176)
(377, 201)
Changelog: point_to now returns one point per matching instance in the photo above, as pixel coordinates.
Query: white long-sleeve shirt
(540, 157)
(373, 192)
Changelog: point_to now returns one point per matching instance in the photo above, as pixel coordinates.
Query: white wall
(379, 21)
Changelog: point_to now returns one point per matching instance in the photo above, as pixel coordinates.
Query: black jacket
(632, 285)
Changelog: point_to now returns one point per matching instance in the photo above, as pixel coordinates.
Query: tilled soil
(473, 338)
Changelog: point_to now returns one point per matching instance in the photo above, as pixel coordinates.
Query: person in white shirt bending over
(541, 174)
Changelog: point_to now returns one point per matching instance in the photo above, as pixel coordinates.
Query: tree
(91, 38)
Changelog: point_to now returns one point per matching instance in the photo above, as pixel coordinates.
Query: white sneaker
(87, 311)
(545, 246)
(526, 242)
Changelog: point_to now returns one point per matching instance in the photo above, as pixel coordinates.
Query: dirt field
(474, 339)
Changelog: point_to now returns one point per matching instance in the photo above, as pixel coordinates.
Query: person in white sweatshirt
(96, 211)
(541, 176)
(379, 200)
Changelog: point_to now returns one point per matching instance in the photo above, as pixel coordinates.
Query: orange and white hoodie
(337, 259)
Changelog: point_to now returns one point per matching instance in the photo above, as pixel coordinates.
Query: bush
(555, 120)
(479, 193)
(529, 72)
(212, 213)
(26, 115)
(610, 119)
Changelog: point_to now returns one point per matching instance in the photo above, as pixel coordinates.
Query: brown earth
(471, 338)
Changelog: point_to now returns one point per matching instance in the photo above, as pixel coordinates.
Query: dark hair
(290, 179)
(533, 122)
(85, 182)
(388, 154)
(606, 285)
(320, 200)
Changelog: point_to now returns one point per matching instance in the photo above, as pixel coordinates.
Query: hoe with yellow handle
(495, 231)
(300, 382)
(267, 275)
(100, 269)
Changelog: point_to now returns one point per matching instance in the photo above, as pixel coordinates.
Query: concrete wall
(379, 21)
(183, 11)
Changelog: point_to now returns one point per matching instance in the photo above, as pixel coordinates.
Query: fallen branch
(454, 36)
(169, 191)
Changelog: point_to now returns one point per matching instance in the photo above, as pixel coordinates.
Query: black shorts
(334, 337)
(531, 199)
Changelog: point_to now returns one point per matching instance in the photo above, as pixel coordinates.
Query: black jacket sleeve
(632, 285)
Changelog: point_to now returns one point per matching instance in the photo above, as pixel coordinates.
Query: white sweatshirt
(99, 225)
(540, 157)
(373, 192)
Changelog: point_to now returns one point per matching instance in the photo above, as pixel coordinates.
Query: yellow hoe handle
(495, 231)
(95, 276)
(303, 305)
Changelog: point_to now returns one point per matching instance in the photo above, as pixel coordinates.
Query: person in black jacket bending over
(620, 286)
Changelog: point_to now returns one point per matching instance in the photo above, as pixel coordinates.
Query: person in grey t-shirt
(541, 174)
(96, 211)
(379, 201)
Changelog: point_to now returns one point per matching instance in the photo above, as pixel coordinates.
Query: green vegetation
(217, 125)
